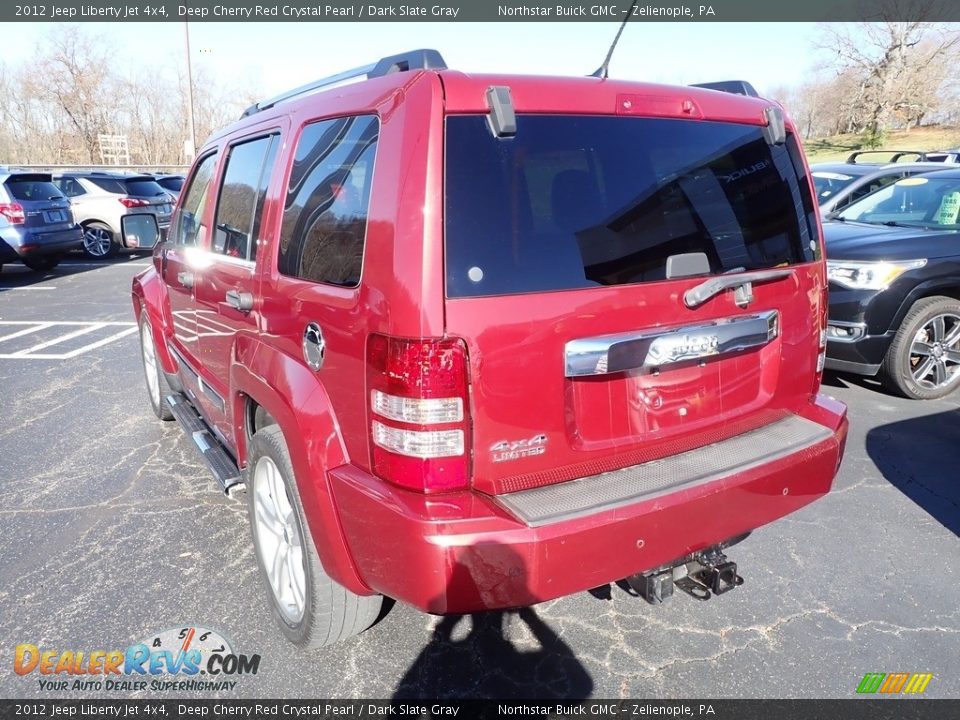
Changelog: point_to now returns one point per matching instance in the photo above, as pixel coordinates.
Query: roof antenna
(602, 71)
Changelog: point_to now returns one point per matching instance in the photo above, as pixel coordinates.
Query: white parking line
(73, 329)
(45, 287)
(25, 331)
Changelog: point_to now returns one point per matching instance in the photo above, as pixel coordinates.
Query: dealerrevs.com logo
(187, 658)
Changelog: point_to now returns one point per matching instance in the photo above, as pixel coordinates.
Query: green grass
(838, 147)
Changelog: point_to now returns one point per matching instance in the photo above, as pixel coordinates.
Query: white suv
(101, 199)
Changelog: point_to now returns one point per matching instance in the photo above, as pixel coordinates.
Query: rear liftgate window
(577, 202)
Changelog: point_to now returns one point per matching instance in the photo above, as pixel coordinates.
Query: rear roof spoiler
(737, 87)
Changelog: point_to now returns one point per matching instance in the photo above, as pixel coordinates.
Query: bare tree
(57, 104)
(893, 69)
(74, 76)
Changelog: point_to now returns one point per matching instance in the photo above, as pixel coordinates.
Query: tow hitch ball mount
(700, 576)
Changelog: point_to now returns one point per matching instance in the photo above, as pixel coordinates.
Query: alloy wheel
(97, 241)
(280, 542)
(935, 352)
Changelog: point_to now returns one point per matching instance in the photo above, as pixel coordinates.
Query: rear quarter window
(328, 195)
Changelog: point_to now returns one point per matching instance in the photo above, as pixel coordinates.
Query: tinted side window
(109, 184)
(240, 201)
(187, 225)
(325, 209)
(69, 187)
(872, 186)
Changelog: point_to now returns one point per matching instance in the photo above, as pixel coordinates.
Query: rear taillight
(129, 202)
(419, 412)
(13, 212)
(822, 318)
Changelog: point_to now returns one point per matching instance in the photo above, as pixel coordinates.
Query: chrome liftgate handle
(608, 354)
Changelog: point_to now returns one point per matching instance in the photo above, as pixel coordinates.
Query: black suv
(893, 261)
(36, 223)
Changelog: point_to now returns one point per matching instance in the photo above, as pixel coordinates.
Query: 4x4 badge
(516, 449)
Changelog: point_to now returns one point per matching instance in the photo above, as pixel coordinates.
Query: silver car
(101, 199)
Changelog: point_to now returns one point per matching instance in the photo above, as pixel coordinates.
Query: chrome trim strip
(648, 349)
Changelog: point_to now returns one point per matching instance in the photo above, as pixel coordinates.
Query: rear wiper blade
(743, 282)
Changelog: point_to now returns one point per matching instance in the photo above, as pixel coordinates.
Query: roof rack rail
(737, 87)
(896, 155)
(423, 59)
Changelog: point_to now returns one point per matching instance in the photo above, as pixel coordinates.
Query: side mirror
(140, 231)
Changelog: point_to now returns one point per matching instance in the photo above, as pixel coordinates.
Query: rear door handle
(185, 278)
(242, 301)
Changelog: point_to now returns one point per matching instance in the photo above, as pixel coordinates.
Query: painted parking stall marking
(57, 340)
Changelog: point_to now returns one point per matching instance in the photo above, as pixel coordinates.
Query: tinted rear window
(143, 188)
(171, 183)
(33, 190)
(586, 201)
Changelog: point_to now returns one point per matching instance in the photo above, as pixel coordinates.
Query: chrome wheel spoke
(938, 326)
(952, 356)
(921, 372)
(295, 575)
(939, 372)
(953, 337)
(921, 348)
(268, 521)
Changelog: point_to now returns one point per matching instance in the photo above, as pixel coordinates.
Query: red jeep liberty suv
(476, 342)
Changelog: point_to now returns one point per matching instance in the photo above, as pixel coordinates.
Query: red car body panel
(462, 551)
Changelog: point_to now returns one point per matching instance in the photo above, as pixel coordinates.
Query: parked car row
(44, 215)
(893, 263)
(101, 199)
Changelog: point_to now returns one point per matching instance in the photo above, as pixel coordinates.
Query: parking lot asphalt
(112, 531)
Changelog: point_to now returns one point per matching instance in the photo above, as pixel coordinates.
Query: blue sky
(271, 57)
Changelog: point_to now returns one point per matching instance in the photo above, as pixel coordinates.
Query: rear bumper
(25, 243)
(463, 552)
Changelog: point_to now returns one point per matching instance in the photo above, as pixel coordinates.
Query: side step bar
(221, 464)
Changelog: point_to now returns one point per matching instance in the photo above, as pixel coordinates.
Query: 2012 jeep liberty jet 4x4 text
(476, 342)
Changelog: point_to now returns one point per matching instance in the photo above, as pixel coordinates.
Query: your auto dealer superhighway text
(318, 11)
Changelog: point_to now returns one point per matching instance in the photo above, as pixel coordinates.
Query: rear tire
(312, 609)
(98, 241)
(923, 362)
(157, 387)
(44, 263)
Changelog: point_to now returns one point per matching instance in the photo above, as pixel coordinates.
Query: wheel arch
(296, 400)
(946, 287)
(150, 294)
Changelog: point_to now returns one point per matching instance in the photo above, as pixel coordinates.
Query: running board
(218, 460)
